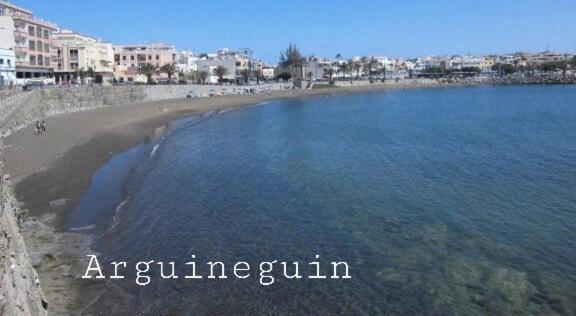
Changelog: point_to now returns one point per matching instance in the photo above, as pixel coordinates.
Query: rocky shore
(551, 80)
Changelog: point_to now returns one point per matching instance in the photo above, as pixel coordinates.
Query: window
(32, 60)
(46, 34)
(47, 48)
(38, 32)
(39, 46)
(123, 57)
(149, 57)
(157, 57)
(47, 61)
(132, 57)
(40, 60)
(31, 30)
(32, 45)
(1, 61)
(9, 62)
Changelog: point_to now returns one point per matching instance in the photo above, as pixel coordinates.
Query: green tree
(344, 68)
(90, 73)
(258, 76)
(329, 72)
(357, 66)
(293, 60)
(202, 76)
(371, 65)
(148, 70)
(246, 74)
(192, 76)
(220, 72)
(169, 70)
(80, 75)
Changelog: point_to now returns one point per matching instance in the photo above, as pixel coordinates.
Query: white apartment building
(74, 53)
(186, 61)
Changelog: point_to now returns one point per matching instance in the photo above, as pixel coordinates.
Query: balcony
(30, 18)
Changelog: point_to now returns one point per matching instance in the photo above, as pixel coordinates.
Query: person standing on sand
(44, 126)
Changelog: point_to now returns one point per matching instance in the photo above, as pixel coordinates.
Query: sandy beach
(52, 171)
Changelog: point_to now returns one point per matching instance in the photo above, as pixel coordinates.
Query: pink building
(128, 58)
(32, 37)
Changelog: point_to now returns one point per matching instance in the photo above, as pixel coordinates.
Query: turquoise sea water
(443, 201)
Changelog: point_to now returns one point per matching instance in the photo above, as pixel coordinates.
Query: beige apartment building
(128, 59)
(81, 59)
(32, 43)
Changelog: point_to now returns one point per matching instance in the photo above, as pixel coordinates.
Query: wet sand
(52, 171)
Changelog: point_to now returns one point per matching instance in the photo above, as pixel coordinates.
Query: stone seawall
(23, 108)
(20, 292)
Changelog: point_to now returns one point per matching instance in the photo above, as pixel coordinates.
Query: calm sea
(445, 201)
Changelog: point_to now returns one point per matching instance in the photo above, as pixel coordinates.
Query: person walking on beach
(43, 126)
(38, 127)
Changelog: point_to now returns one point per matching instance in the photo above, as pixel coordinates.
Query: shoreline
(76, 146)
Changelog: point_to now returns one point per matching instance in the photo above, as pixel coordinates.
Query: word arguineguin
(217, 270)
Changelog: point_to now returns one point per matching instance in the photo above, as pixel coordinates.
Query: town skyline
(408, 33)
(34, 48)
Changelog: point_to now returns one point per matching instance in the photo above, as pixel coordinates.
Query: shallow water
(442, 201)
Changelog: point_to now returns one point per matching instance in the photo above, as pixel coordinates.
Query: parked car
(34, 85)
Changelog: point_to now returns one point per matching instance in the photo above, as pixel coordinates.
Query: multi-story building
(32, 39)
(234, 62)
(210, 64)
(186, 62)
(546, 57)
(487, 63)
(7, 55)
(129, 58)
(74, 54)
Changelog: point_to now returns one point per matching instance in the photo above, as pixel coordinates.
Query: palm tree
(90, 73)
(202, 76)
(80, 74)
(330, 72)
(338, 56)
(384, 73)
(356, 66)
(220, 72)
(169, 70)
(148, 70)
(344, 67)
(192, 76)
(258, 76)
(245, 73)
(371, 65)
(563, 65)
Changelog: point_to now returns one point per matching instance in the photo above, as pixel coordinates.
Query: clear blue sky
(325, 27)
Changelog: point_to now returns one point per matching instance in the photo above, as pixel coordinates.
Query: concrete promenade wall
(19, 110)
(20, 291)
